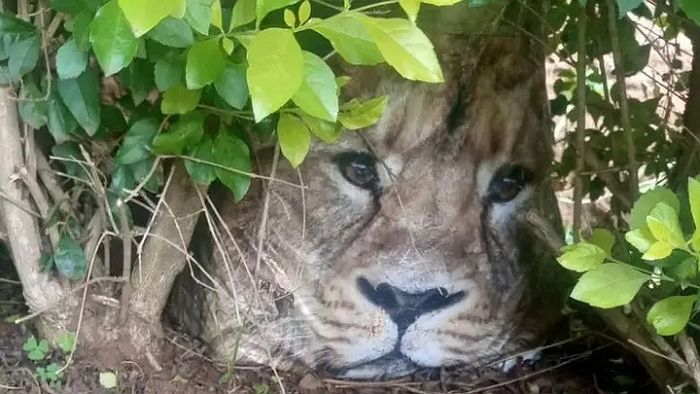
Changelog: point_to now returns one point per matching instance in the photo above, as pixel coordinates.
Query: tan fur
(438, 147)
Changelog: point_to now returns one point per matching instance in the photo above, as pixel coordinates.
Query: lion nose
(404, 307)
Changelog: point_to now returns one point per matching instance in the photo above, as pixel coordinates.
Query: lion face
(401, 246)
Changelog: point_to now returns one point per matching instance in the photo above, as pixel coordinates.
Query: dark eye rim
(507, 183)
(345, 159)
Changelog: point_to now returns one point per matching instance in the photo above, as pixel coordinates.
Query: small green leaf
(187, 131)
(318, 94)
(112, 40)
(33, 108)
(694, 200)
(70, 258)
(199, 14)
(232, 86)
(328, 132)
(169, 72)
(243, 13)
(228, 45)
(180, 100)
(205, 63)
(350, 38)
(66, 342)
(626, 6)
(664, 226)
(217, 19)
(609, 285)
(406, 48)
(144, 15)
(137, 142)
(582, 257)
(108, 380)
(232, 153)
(35, 355)
(411, 8)
(692, 9)
(23, 56)
(294, 138)
(670, 315)
(30, 344)
(657, 251)
(174, 33)
(201, 173)
(289, 18)
(264, 7)
(11, 25)
(275, 71)
(604, 239)
(304, 12)
(357, 115)
(647, 201)
(82, 97)
(640, 239)
(70, 60)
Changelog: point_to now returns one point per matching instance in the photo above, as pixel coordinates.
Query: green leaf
(294, 138)
(30, 344)
(23, 56)
(232, 86)
(664, 225)
(406, 48)
(138, 78)
(112, 40)
(228, 45)
(275, 70)
(411, 8)
(657, 251)
(694, 200)
(243, 13)
(692, 9)
(201, 172)
(36, 355)
(670, 315)
(33, 108)
(70, 60)
(318, 93)
(137, 142)
(350, 38)
(582, 257)
(626, 6)
(198, 15)
(264, 7)
(232, 153)
(11, 25)
(187, 131)
(304, 12)
(66, 342)
(144, 15)
(180, 100)
(647, 201)
(357, 115)
(609, 285)
(328, 132)
(604, 239)
(81, 29)
(640, 238)
(205, 63)
(70, 258)
(173, 33)
(289, 18)
(82, 97)
(141, 171)
(169, 71)
(217, 19)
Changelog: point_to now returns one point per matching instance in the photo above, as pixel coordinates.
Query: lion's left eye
(507, 183)
(360, 169)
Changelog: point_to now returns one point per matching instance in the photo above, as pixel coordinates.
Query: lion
(402, 246)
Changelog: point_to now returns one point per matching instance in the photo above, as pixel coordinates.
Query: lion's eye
(507, 183)
(359, 169)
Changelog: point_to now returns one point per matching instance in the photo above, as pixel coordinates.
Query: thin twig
(266, 208)
(580, 120)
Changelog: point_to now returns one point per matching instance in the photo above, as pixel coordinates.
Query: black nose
(404, 307)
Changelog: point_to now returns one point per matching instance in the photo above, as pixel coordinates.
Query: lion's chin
(389, 366)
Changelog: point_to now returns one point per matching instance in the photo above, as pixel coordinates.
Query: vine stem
(375, 5)
(580, 120)
(624, 105)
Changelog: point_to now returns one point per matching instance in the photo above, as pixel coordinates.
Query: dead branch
(690, 352)
(160, 261)
(22, 228)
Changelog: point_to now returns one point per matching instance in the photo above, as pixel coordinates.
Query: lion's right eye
(359, 169)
